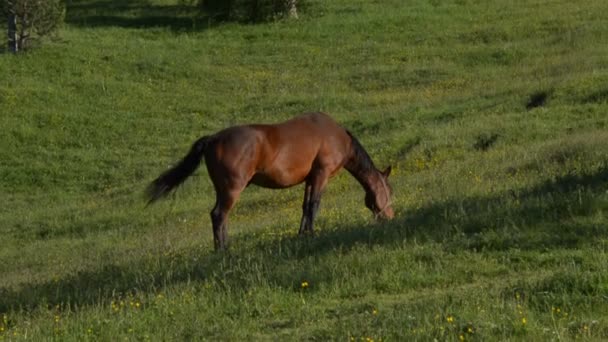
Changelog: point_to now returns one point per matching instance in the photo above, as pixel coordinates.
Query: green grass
(501, 198)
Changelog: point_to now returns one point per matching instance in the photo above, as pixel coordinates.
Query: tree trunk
(292, 11)
(13, 45)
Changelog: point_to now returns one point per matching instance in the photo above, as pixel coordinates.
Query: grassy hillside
(493, 114)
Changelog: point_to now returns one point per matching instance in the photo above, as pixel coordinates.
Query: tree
(290, 7)
(12, 33)
(29, 20)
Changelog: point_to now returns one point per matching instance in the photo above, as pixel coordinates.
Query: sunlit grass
(501, 200)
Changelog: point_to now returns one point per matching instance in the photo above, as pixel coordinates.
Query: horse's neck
(362, 173)
(360, 165)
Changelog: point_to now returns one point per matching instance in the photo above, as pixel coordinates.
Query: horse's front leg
(318, 183)
(305, 208)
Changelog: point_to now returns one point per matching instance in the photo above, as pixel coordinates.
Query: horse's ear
(387, 172)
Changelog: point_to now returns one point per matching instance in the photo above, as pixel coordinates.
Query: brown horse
(310, 148)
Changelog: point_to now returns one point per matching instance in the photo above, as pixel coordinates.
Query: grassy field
(494, 115)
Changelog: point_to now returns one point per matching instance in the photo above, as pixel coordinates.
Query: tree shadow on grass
(135, 14)
(545, 215)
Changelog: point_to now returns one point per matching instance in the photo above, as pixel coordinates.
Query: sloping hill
(492, 113)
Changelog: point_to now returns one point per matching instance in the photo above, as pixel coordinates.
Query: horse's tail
(176, 175)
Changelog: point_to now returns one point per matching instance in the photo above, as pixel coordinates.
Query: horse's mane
(363, 160)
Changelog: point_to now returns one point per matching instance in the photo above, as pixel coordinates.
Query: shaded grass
(179, 17)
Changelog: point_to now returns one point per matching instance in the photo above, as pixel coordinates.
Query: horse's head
(378, 197)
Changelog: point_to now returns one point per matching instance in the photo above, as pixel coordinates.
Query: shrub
(30, 20)
(250, 10)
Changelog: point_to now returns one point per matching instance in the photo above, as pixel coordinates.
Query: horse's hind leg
(219, 217)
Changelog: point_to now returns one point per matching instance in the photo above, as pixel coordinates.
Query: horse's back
(283, 154)
(321, 123)
(311, 142)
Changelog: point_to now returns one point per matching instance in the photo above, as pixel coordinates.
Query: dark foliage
(249, 10)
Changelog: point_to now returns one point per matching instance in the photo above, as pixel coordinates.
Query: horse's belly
(277, 179)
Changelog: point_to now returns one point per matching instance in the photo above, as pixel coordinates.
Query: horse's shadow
(545, 211)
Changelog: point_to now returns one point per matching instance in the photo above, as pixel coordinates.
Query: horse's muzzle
(385, 215)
